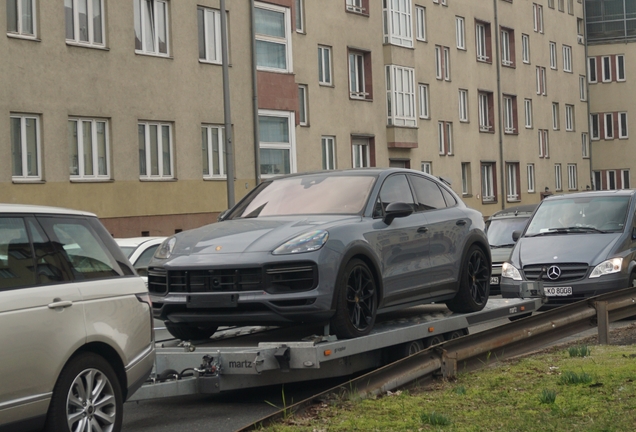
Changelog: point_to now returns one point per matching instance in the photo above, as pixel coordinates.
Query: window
(525, 48)
(463, 105)
(561, 6)
(213, 151)
(530, 174)
(400, 95)
(89, 149)
(585, 146)
(303, 112)
(25, 147)
(85, 21)
(567, 58)
(620, 68)
(300, 16)
(538, 17)
(580, 26)
(324, 65)
(442, 63)
(555, 116)
(446, 64)
(507, 47)
(582, 88)
(155, 150)
(528, 109)
(151, 27)
(606, 69)
(420, 20)
(273, 38)
(572, 183)
(488, 187)
(482, 39)
(445, 137)
(544, 149)
(21, 18)
(360, 75)
(609, 125)
(424, 110)
(328, 152)
(512, 172)
(466, 179)
(541, 84)
(625, 176)
(591, 70)
(209, 35)
(362, 154)
(460, 32)
(571, 7)
(557, 177)
(551, 4)
(486, 112)
(569, 118)
(622, 125)
(427, 167)
(358, 6)
(277, 142)
(595, 128)
(397, 23)
(510, 114)
(553, 57)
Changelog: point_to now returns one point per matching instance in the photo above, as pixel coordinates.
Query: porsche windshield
(598, 214)
(319, 194)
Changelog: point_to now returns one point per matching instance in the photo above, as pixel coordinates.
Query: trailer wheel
(434, 340)
(356, 301)
(189, 332)
(87, 396)
(454, 335)
(474, 283)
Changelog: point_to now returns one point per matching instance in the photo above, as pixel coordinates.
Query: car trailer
(248, 357)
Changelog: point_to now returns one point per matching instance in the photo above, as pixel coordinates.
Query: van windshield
(589, 214)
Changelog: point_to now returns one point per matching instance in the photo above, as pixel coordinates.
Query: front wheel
(356, 301)
(474, 283)
(87, 397)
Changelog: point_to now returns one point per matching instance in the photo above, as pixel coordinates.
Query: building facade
(117, 107)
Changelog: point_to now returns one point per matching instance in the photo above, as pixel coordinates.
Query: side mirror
(396, 210)
(223, 215)
(516, 235)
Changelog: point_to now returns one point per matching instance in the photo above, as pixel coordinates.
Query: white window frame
(480, 41)
(569, 118)
(208, 142)
(558, 180)
(21, 32)
(439, 69)
(286, 41)
(463, 105)
(466, 179)
(357, 79)
(290, 146)
(90, 24)
(572, 177)
(538, 17)
(325, 68)
(212, 35)
(441, 139)
(460, 32)
(361, 154)
(622, 125)
(541, 81)
(484, 120)
(300, 16)
(303, 114)
(595, 118)
(606, 73)
(585, 146)
(505, 48)
(355, 6)
(424, 101)
(81, 160)
(401, 109)
(427, 167)
(487, 182)
(530, 177)
(513, 187)
(567, 58)
(528, 112)
(446, 51)
(544, 145)
(397, 23)
(591, 70)
(553, 56)
(582, 88)
(420, 23)
(160, 175)
(151, 47)
(620, 71)
(509, 120)
(555, 116)
(328, 143)
(24, 149)
(608, 125)
(525, 48)
(449, 137)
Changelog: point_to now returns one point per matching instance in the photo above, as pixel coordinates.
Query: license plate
(494, 280)
(557, 291)
(213, 301)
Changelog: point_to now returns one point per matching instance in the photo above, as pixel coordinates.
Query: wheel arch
(368, 257)
(112, 357)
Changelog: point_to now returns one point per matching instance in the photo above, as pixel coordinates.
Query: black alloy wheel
(474, 283)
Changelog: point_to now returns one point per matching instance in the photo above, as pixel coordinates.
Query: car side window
(428, 194)
(448, 197)
(50, 266)
(394, 189)
(16, 255)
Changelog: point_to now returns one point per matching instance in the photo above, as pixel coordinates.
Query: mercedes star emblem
(554, 273)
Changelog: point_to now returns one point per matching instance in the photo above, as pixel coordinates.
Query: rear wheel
(474, 283)
(356, 301)
(190, 332)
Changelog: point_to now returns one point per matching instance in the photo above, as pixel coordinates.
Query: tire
(189, 332)
(356, 301)
(72, 409)
(434, 340)
(474, 283)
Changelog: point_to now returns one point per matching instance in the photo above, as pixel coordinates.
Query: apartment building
(117, 107)
(611, 33)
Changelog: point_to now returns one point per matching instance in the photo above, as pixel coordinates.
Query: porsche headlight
(165, 250)
(308, 242)
(510, 271)
(610, 266)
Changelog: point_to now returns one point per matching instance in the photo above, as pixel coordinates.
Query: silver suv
(77, 337)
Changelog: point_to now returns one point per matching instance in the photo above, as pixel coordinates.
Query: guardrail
(475, 351)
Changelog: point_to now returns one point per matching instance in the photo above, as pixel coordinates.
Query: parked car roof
(514, 211)
(27, 208)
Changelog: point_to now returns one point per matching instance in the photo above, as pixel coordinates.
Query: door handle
(59, 304)
(460, 222)
(422, 229)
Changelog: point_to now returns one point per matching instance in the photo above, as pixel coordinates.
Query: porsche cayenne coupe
(334, 247)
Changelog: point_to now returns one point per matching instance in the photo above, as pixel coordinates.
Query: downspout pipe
(257, 150)
(502, 168)
(227, 114)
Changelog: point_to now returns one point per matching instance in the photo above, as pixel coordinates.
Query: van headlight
(610, 266)
(510, 271)
(308, 242)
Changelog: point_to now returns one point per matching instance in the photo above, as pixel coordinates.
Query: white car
(140, 251)
(77, 338)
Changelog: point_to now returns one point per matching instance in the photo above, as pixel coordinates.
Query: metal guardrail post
(602, 318)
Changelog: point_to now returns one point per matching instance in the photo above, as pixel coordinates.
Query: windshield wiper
(565, 230)
(502, 246)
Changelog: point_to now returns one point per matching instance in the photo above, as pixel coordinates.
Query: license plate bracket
(213, 301)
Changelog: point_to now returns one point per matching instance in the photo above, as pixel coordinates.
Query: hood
(251, 235)
(571, 248)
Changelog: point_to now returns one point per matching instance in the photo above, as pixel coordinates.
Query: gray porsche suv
(335, 246)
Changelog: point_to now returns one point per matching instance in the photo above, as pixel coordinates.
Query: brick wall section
(164, 225)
